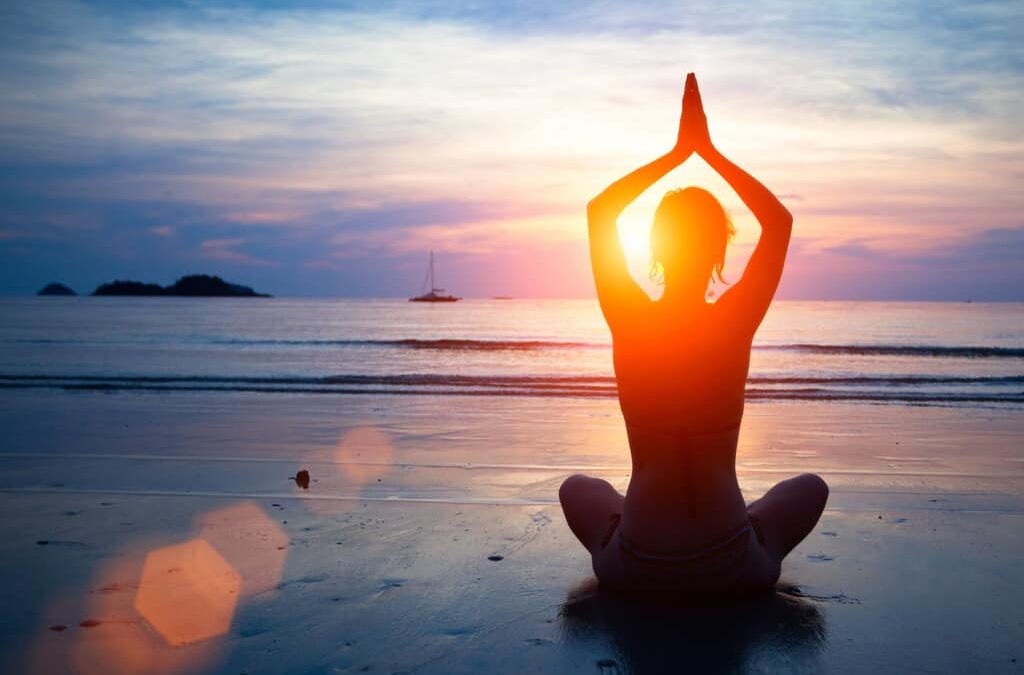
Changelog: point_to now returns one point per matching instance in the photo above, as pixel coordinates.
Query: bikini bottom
(739, 563)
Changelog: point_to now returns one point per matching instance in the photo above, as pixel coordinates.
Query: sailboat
(434, 294)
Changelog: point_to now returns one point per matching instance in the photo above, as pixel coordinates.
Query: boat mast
(431, 270)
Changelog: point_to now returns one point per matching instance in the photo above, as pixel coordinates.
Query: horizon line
(507, 298)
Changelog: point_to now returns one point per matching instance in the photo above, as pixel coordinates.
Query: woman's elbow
(598, 215)
(785, 221)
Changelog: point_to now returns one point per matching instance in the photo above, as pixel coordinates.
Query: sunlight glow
(636, 242)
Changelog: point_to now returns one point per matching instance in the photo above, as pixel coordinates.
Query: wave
(414, 379)
(901, 350)
(472, 344)
(447, 344)
(890, 380)
(899, 388)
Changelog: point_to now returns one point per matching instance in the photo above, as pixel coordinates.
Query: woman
(681, 366)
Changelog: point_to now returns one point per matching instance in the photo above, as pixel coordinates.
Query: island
(119, 287)
(193, 285)
(56, 289)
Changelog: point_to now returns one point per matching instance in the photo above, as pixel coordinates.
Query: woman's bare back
(681, 371)
(681, 388)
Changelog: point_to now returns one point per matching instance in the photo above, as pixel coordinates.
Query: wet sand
(430, 540)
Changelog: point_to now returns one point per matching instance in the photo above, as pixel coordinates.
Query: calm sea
(936, 353)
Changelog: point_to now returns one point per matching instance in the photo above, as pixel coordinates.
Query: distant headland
(193, 286)
(56, 289)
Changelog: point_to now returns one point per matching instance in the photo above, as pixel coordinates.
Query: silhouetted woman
(681, 366)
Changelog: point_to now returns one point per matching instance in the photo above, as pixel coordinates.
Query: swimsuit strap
(709, 551)
(679, 429)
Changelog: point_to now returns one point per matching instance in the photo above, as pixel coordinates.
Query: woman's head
(689, 236)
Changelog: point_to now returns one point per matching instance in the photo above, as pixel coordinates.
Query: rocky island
(56, 289)
(193, 285)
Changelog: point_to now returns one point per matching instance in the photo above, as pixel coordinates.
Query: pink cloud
(263, 217)
(223, 250)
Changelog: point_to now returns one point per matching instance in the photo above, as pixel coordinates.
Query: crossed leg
(783, 517)
(788, 512)
(785, 514)
(589, 505)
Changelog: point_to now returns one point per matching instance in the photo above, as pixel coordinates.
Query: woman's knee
(572, 485)
(583, 498)
(789, 512)
(815, 487)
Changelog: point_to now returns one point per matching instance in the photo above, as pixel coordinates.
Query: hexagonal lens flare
(250, 541)
(188, 592)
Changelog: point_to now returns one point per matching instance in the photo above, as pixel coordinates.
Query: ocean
(953, 354)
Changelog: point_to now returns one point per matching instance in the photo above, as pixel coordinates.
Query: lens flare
(103, 633)
(253, 544)
(364, 453)
(356, 466)
(188, 592)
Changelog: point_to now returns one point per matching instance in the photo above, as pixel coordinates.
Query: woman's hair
(690, 218)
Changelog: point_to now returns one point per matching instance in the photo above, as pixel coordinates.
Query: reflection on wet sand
(778, 632)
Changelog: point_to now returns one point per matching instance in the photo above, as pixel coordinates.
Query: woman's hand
(693, 124)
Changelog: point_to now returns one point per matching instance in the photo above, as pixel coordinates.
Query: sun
(636, 240)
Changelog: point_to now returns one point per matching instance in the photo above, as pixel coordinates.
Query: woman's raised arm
(617, 292)
(748, 300)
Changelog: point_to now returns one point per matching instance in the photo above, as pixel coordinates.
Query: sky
(322, 149)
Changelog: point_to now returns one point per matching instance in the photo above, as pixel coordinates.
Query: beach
(914, 567)
(430, 538)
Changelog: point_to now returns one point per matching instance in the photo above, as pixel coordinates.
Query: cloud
(982, 266)
(855, 249)
(225, 250)
(985, 247)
